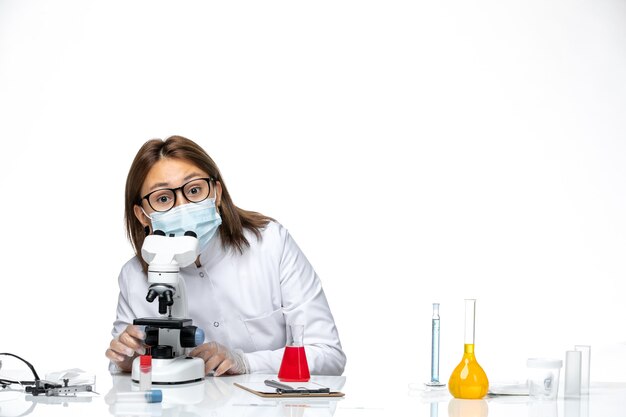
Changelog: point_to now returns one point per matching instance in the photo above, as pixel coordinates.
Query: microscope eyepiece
(191, 233)
(159, 233)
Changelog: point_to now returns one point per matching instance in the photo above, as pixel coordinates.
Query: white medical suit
(244, 301)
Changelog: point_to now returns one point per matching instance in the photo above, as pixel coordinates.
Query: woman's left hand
(219, 359)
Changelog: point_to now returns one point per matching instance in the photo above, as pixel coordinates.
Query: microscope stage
(164, 322)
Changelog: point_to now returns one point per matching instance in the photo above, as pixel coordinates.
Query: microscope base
(180, 370)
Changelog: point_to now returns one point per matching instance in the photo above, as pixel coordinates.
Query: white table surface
(364, 397)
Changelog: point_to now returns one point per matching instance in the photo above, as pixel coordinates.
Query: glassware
(468, 380)
(151, 396)
(434, 353)
(294, 367)
(145, 373)
(543, 378)
(584, 367)
(572, 373)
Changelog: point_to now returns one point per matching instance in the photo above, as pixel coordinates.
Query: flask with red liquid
(294, 367)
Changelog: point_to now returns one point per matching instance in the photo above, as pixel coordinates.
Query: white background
(417, 152)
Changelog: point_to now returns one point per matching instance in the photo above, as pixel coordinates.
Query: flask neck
(295, 337)
(470, 311)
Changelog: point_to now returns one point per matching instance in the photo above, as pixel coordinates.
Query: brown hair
(234, 219)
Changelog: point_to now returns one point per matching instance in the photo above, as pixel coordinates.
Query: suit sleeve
(124, 315)
(303, 302)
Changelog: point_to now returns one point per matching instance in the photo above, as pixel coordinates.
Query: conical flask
(468, 380)
(294, 367)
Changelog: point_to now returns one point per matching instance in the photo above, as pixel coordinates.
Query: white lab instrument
(171, 334)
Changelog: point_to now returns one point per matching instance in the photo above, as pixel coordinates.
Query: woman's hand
(126, 346)
(219, 359)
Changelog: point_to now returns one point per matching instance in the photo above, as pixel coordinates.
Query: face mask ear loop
(146, 229)
(214, 198)
(144, 213)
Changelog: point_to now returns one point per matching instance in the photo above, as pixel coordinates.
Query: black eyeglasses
(194, 191)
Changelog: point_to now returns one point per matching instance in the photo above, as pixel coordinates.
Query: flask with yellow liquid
(468, 380)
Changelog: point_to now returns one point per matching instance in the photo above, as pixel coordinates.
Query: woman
(249, 280)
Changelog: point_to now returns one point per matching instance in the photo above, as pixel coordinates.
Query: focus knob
(152, 336)
(191, 336)
(162, 352)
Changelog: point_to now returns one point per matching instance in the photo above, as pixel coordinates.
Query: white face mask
(201, 218)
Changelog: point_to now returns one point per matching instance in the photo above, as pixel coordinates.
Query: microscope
(169, 335)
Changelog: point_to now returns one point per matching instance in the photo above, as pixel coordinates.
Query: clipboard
(262, 390)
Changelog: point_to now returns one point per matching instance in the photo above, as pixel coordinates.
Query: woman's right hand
(126, 346)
